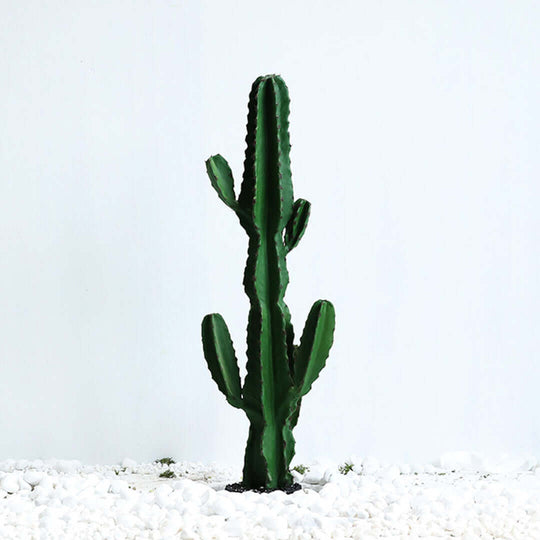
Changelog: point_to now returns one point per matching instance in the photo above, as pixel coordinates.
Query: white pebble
(221, 506)
(162, 496)
(330, 491)
(33, 477)
(315, 475)
(320, 506)
(23, 485)
(390, 473)
(459, 461)
(119, 487)
(195, 491)
(236, 527)
(129, 463)
(126, 520)
(67, 466)
(10, 483)
(370, 465)
(405, 468)
(273, 523)
(172, 527)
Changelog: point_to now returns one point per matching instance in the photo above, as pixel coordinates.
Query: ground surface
(460, 496)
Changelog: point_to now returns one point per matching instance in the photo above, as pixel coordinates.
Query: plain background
(416, 132)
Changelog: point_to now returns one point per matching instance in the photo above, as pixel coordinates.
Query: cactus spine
(279, 373)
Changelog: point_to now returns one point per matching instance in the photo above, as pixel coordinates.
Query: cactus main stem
(265, 282)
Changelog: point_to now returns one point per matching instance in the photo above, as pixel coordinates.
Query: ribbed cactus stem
(278, 373)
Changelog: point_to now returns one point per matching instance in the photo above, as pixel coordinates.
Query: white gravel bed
(461, 495)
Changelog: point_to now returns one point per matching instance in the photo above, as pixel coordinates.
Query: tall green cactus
(279, 373)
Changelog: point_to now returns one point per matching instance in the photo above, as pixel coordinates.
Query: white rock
(307, 523)
(320, 506)
(10, 483)
(70, 483)
(221, 506)
(69, 501)
(23, 485)
(463, 461)
(126, 520)
(164, 490)
(243, 504)
(507, 464)
(405, 468)
(370, 465)
(196, 492)
(101, 487)
(330, 491)
(162, 496)
(129, 463)
(275, 496)
(118, 487)
(328, 475)
(315, 475)
(274, 523)
(172, 527)
(67, 466)
(390, 473)
(33, 477)
(7, 465)
(236, 527)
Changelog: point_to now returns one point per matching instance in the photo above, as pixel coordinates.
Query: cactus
(279, 373)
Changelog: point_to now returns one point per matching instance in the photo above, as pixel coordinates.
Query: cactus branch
(222, 179)
(297, 224)
(315, 344)
(221, 359)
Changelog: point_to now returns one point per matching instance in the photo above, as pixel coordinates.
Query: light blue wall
(415, 133)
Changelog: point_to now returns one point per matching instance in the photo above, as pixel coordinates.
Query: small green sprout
(346, 468)
(165, 461)
(301, 469)
(168, 474)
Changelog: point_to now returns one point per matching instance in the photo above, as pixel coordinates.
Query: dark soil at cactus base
(240, 488)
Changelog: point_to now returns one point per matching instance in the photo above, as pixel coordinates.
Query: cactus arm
(221, 359)
(315, 345)
(297, 224)
(222, 180)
